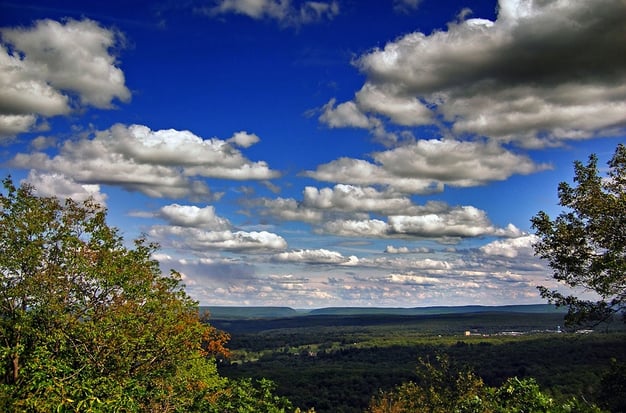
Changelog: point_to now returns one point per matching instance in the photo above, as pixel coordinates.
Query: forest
(337, 363)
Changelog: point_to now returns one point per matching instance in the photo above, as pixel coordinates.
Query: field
(335, 360)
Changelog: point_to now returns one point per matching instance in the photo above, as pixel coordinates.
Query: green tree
(441, 388)
(246, 396)
(586, 244)
(613, 389)
(88, 324)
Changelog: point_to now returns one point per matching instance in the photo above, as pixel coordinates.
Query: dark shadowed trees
(443, 388)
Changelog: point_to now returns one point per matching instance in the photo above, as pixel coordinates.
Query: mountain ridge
(263, 312)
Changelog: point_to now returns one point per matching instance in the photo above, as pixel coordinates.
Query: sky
(318, 153)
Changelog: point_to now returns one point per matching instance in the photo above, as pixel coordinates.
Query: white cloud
(402, 110)
(279, 10)
(63, 187)
(322, 204)
(345, 114)
(362, 172)
(345, 210)
(11, 125)
(244, 139)
(541, 73)
(386, 280)
(288, 209)
(426, 166)
(43, 66)
(355, 198)
(156, 163)
(390, 249)
(192, 216)
(203, 241)
(319, 256)
(369, 228)
(411, 278)
(466, 221)
(448, 225)
(512, 247)
(43, 142)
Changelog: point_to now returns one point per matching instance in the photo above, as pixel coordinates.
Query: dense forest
(338, 363)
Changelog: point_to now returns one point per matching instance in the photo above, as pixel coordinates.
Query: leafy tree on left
(88, 324)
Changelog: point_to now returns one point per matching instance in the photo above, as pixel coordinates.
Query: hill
(235, 312)
(261, 312)
(532, 308)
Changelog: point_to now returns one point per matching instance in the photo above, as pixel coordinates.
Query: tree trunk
(16, 367)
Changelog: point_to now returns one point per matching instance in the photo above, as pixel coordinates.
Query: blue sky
(318, 153)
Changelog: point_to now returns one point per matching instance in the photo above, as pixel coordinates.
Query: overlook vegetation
(88, 324)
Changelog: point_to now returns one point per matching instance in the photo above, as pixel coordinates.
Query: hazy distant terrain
(228, 312)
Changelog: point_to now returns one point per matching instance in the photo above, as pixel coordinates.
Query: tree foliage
(89, 324)
(441, 388)
(586, 244)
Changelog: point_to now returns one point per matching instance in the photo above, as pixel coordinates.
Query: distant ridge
(233, 312)
(529, 308)
(260, 312)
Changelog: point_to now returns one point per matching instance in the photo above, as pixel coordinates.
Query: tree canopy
(89, 324)
(586, 244)
(441, 387)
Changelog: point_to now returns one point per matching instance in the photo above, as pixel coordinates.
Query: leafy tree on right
(586, 244)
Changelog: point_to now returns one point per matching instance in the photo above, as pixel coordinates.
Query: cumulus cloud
(282, 11)
(288, 209)
(322, 204)
(465, 221)
(512, 247)
(346, 210)
(369, 228)
(411, 278)
(541, 73)
(156, 163)
(355, 198)
(193, 216)
(244, 139)
(203, 241)
(63, 187)
(53, 68)
(403, 110)
(390, 249)
(426, 166)
(449, 225)
(345, 114)
(319, 256)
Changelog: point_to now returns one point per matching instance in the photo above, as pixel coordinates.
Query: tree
(439, 388)
(586, 244)
(442, 388)
(87, 324)
(613, 387)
